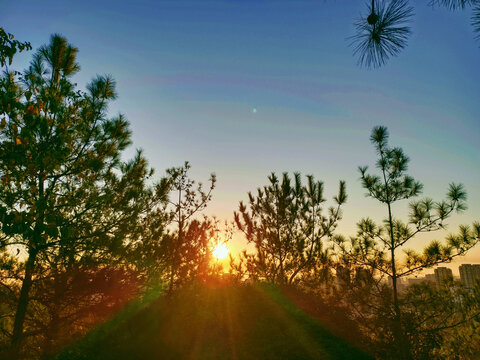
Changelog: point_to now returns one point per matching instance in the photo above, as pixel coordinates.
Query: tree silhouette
(376, 246)
(476, 20)
(285, 222)
(453, 4)
(186, 247)
(9, 47)
(383, 31)
(64, 187)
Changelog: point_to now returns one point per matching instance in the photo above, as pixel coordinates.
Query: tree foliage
(376, 246)
(83, 231)
(384, 34)
(442, 322)
(383, 31)
(9, 47)
(286, 223)
(187, 244)
(65, 190)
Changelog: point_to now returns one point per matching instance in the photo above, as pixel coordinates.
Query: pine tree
(376, 246)
(9, 47)
(186, 247)
(383, 31)
(64, 188)
(285, 222)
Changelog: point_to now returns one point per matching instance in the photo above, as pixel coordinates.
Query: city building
(443, 275)
(469, 273)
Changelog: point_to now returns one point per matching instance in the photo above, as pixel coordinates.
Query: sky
(244, 88)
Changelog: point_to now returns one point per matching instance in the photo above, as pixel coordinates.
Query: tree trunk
(51, 334)
(17, 335)
(176, 246)
(403, 346)
(172, 274)
(52, 330)
(400, 339)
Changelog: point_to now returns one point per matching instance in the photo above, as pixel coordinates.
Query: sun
(220, 251)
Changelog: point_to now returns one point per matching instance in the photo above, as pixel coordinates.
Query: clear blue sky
(190, 73)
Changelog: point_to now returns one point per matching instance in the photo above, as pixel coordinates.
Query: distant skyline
(244, 88)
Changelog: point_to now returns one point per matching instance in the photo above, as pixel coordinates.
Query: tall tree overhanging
(377, 246)
(383, 33)
(383, 30)
(63, 183)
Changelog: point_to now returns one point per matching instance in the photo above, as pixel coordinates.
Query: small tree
(186, 247)
(376, 246)
(286, 224)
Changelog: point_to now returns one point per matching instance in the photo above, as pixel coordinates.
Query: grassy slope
(247, 322)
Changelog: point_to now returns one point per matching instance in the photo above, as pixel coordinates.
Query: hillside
(243, 322)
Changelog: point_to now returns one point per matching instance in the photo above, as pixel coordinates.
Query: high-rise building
(469, 273)
(442, 275)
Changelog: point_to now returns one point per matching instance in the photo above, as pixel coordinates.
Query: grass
(229, 322)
